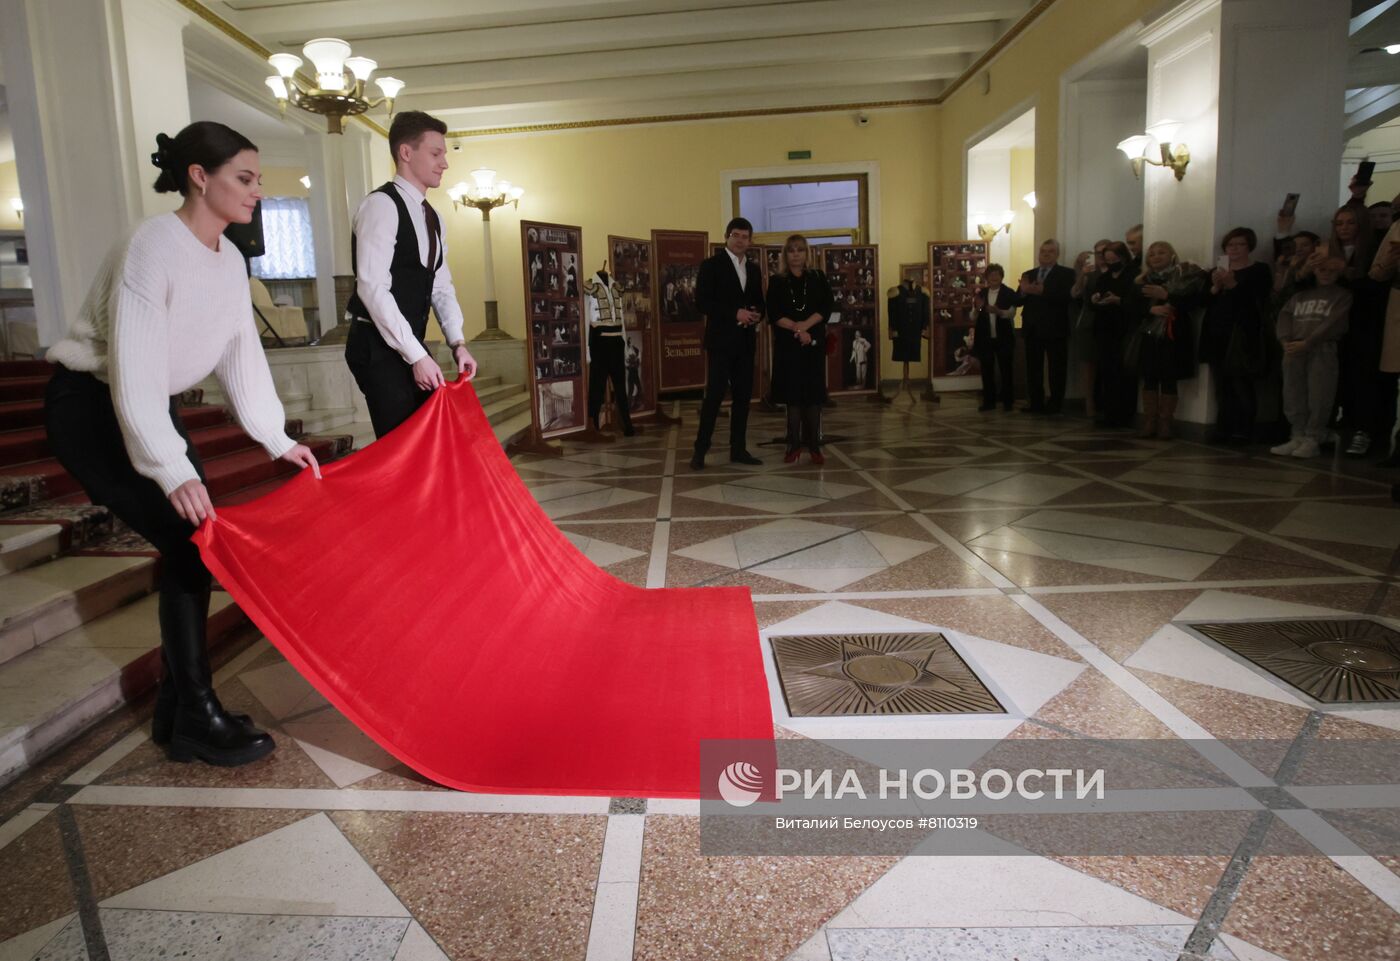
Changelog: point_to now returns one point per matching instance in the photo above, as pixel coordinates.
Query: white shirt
(163, 312)
(376, 229)
(740, 268)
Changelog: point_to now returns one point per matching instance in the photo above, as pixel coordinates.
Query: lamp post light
(486, 193)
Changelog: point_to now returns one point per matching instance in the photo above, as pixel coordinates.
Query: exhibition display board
(676, 256)
(629, 261)
(955, 269)
(853, 272)
(556, 333)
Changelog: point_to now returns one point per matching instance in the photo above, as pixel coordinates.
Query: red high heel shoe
(818, 458)
(791, 456)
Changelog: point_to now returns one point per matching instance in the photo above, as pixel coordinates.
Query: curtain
(290, 252)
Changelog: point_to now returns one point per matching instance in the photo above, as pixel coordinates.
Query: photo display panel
(955, 269)
(854, 274)
(630, 260)
(676, 256)
(556, 334)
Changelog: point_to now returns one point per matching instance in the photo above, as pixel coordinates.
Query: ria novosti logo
(740, 784)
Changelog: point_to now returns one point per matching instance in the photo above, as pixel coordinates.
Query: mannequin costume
(607, 347)
(399, 260)
(909, 314)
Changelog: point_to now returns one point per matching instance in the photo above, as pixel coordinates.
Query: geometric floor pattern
(1069, 572)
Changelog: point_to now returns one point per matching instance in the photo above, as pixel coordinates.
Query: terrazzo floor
(1062, 564)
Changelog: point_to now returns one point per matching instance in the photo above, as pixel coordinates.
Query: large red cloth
(423, 591)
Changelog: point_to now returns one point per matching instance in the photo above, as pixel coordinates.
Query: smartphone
(1222, 262)
(1364, 170)
(1290, 205)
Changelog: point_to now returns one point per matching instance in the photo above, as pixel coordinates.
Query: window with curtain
(290, 253)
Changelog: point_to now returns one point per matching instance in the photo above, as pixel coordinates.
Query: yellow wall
(1023, 232)
(1027, 75)
(9, 189)
(283, 182)
(629, 180)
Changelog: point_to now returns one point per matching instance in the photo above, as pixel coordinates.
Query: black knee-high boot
(163, 720)
(794, 427)
(202, 728)
(812, 427)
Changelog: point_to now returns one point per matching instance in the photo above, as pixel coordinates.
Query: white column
(330, 221)
(1259, 86)
(85, 80)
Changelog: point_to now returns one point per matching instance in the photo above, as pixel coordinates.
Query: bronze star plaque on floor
(852, 674)
(1350, 661)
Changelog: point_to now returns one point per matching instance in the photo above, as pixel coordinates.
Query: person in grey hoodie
(1309, 326)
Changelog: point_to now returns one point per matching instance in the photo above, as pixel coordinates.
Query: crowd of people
(1303, 349)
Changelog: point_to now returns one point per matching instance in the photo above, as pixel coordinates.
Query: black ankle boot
(163, 720)
(201, 727)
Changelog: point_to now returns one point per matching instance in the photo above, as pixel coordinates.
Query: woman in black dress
(799, 303)
(1111, 301)
(1234, 337)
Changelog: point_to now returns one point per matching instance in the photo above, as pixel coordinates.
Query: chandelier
(485, 192)
(339, 91)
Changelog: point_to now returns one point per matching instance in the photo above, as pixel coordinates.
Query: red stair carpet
(421, 589)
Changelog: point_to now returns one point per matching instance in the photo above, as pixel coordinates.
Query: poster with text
(556, 334)
(676, 256)
(853, 273)
(630, 261)
(955, 269)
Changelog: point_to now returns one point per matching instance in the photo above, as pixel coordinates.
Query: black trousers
(383, 377)
(1238, 404)
(606, 362)
(732, 371)
(85, 436)
(1040, 352)
(999, 352)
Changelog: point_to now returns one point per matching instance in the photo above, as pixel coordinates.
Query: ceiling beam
(772, 82)
(912, 44)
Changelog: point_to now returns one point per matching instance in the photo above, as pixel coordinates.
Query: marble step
(50, 694)
(44, 601)
(23, 545)
(326, 421)
(513, 428)
(507, 407)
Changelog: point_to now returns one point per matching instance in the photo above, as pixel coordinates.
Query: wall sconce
(306, 182)
(18, 206)
(989, 225)
(1031, 200)
(1160, 138)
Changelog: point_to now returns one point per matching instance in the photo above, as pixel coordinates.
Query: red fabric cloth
(422, 590)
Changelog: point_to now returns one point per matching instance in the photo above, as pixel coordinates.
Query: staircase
(78, 634)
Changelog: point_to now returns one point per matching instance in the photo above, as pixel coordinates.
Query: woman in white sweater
(169, 306)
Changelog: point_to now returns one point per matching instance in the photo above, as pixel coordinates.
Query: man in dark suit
(729, 292)
(1045, 297)
(995, 340)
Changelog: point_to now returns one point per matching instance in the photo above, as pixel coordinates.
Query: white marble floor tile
(805, 486)
(836, 617)
(548, 490)
(282, 690)
(762, 543)
(1028, 679)
(1174, 653)
(1101, 552)
(562, 467)
(1343, 524)
(605, 459)
(418, 945)
(776, 502)
(823, 579)
(1136, 532)
(957, 481)
(592, 501)
(1138, 942)
(1028, 489)
(306, 868)
(68, 945)
(1246, 951)
(1233, 480)
(144, 935)
(601, 552)
(23, 947)
(21, 822)
(339, 748)
(1223, 605)
(995, 891)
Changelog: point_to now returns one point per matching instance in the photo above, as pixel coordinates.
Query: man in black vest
(401, 270)
(1045, 299)
(729, 292)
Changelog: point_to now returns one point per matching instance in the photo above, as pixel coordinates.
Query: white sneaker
(1360, 444)
(1287, 447)
(1307, 447)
